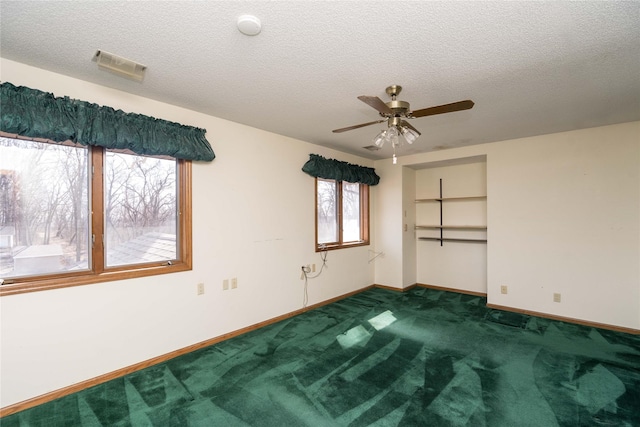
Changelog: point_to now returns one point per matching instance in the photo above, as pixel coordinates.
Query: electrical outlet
(504, 289)
(225, 285)
(200, 288)
(557, 297)
(313, 268)
(234, 283)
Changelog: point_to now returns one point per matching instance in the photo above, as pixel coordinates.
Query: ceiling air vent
(119, 65)
(371, 147)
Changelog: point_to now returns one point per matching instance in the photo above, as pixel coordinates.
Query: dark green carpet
(380, 358)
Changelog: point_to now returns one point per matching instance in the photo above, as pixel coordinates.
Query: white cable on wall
(305, 273)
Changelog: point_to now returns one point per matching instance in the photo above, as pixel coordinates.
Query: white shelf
(444, 199)
(453, 239)
(451, 227)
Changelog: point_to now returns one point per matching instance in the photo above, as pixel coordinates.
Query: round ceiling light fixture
(249, 25)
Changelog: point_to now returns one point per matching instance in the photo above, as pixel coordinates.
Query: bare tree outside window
(44, 219)
(327, 211)
(140, 209)
(350, 212)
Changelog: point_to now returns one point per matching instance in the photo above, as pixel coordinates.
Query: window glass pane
(44, 208)
(140, 203)
(350, 212)
(327, 211)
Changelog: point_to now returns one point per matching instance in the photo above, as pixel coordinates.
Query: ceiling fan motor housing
(400, 108)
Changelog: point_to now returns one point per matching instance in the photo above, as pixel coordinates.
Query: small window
(342, 214)
(140, 209)
(72, 215)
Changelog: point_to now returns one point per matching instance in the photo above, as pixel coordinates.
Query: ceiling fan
(396, 112)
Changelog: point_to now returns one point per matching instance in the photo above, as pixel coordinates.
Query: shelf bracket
(441, 229)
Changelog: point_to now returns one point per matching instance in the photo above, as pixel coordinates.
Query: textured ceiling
(530, 67)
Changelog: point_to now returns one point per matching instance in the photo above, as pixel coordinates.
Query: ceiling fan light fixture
(409, 134)
(380, 138)
(392, 136)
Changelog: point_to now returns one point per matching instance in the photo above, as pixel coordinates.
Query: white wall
(458, 265)
(409, 259)
(253, 218)
(563, 215)
(388, 207)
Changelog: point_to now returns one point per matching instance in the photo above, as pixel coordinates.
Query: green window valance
(320, 167)
(35, 114)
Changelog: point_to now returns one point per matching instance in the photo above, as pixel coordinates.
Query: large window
(342, 214)
(72, 214)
